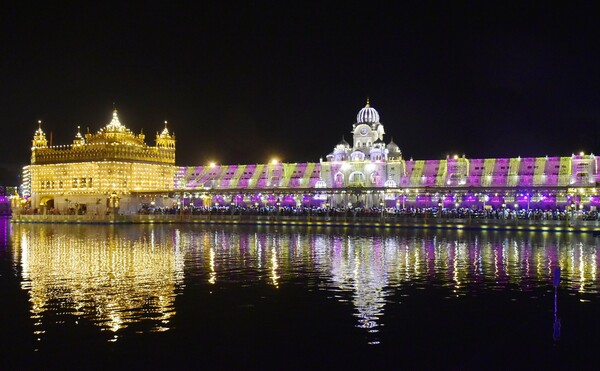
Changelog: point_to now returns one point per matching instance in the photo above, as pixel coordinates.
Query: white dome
(367, 115)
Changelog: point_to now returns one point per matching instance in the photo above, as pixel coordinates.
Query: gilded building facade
(99, 172)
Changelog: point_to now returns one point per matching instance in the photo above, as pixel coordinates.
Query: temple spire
(368, 104)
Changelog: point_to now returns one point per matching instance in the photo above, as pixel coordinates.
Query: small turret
(164, 139)
(39, 138)
(79, 139)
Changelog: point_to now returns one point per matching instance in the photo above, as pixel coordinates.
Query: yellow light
(274, 161)
(456, 157)
(581, 153)
(212, 164)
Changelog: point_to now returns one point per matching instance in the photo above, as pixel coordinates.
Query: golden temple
(98, 172)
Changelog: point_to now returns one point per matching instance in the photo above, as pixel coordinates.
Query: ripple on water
(212, 280)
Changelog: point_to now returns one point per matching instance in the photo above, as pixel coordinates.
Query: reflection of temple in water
(360, 266)
(118, 277)
(108, 277)
(373, 268)
(5, 228)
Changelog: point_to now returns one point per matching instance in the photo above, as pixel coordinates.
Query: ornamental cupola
(79, 139)
(165, 139)
(394, 152)
(39, 138)
(116, 133)
(343, 144)
(367, 115)
(367, 130)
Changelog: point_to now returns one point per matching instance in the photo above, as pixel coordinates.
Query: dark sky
(240, 82)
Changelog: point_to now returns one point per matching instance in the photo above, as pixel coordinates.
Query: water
(245, 297)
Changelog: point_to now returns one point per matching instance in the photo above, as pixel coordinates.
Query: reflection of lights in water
(274, 267)
(115, 282)
(592, 265)
(212, 275)
(102, 277)
(581, 268)
(455, 267)
(496, 268)
(5, 231)
(540, 263)
(258, 250)
(362, 272)
(516, 259)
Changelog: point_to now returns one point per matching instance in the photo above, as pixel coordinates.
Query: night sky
(241, 82)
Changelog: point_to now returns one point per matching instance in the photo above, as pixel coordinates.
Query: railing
(347, 219)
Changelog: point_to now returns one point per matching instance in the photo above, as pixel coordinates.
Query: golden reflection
(212, 275)
(111, 279)
(581, 267)
(274, 267)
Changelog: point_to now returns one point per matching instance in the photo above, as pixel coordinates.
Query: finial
(368, 105)
(40, 124)
(165, 124)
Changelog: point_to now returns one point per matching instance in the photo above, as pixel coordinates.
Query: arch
(356, 179)
(375, 178)
(357, 156)
(338, 179)
(46, 199)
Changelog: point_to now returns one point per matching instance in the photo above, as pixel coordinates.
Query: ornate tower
(39, 141)
(164, 139)
(79, 139)
(39, 137)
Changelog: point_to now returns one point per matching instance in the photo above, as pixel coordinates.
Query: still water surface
(227, 297)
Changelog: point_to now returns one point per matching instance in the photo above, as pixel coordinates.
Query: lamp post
(349, 207)
(440, 204)
(278, 207)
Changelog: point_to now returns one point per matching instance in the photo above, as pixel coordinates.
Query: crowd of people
(375, 212)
